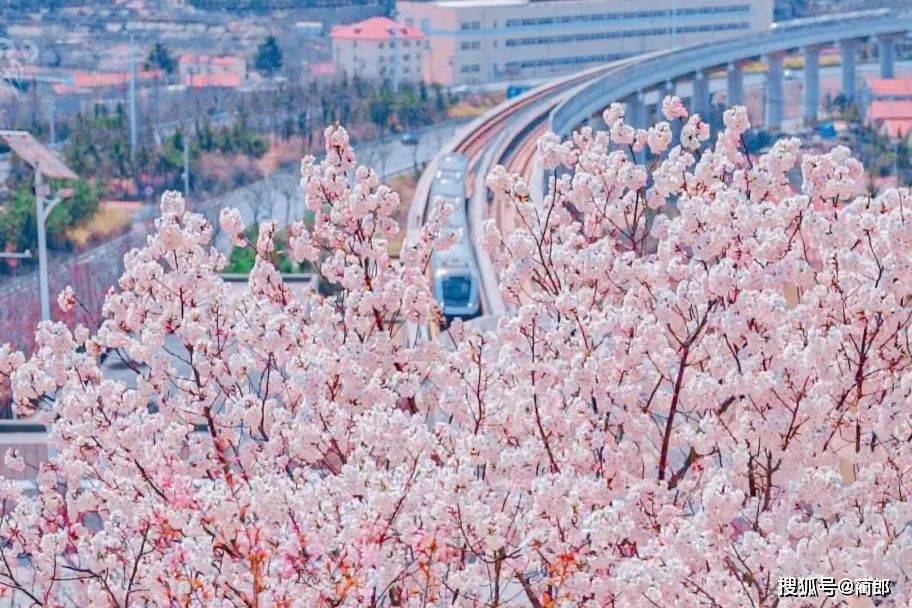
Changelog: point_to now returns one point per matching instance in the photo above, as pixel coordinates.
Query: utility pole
(44, 206)
(132, 101)
(53, 117)
(394, 42)
(186, 175)
(41, 221)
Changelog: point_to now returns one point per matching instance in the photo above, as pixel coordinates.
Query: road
(278, 197)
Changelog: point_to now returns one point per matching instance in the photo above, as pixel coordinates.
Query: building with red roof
(321, 69)
(212, 70)
(887, 105)
(101, 80)
(891, 88)
(71, 82)
(379, 49)
(897, 127)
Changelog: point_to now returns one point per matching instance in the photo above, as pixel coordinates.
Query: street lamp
(411, 139)
(44, 204)
(185, 139)
(45, 165)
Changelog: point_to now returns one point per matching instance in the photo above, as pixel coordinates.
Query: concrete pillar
(811, 84)
(886, 52)
(595, 121)
(636, 109)
(665, 89)
(668, 88)
(734, 95)
(637, 117)
(849, 51)
(701, 95)
(774, 91)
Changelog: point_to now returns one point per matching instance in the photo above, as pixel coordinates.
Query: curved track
(504, 134)
(507, 133)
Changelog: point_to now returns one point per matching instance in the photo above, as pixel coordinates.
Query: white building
(377, 49)
(478, 41)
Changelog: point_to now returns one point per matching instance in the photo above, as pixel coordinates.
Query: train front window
(456, 291)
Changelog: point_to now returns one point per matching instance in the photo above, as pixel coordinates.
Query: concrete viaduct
(630, 81)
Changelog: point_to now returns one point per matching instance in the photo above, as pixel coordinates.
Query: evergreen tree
(380, 112)
(269, 57)
(160, 58)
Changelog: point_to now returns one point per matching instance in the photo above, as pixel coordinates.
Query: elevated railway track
(507, 134)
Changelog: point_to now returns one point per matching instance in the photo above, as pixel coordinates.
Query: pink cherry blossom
(13, 459)
(616, 111)
(702, 385)
(659, 137)
(232, 223)
(66, 299)
(673, 108)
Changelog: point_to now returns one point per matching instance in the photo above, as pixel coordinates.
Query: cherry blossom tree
(702, 386)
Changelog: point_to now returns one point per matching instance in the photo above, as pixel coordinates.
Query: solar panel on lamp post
(45, 165)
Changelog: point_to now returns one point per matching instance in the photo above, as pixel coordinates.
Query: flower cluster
(702, 385)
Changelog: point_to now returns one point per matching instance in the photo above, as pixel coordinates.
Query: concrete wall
(90, 274)
(375, 59)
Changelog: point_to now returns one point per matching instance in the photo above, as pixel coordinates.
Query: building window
(470, 69)
(657, 31)
(563, 61)
(406, 43)
(381, 45)
(663, 13)
(470, 25)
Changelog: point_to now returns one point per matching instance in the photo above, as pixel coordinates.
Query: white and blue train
(455, 271)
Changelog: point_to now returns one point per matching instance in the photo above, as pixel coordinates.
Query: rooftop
(376, 28)
(216, 60)
(83, 80)
(891, 86)
(897, 127)
(227, 79)
(322, 68)
(480, 3)
(883, 109)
